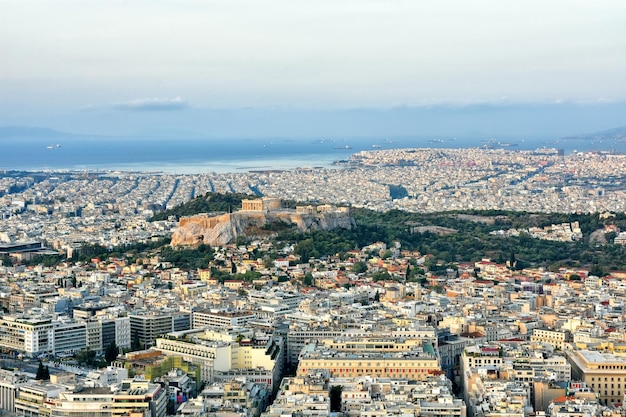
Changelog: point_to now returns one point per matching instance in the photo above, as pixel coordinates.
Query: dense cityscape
(102, 317)
(355, 208)
(110, 208)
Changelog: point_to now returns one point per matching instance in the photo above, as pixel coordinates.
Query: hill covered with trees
(449, 236)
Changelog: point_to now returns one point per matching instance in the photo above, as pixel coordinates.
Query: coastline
(233, 156)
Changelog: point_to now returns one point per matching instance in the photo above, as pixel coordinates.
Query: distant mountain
(11, 132)
(21, 132)
(167, 133)
(617, 134)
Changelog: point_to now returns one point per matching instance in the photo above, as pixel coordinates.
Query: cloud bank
(152, 104)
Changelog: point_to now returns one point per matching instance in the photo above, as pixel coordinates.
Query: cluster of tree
(89, 252)
(320, 243)
(470, 242)
(88, 357)
(248, 276)
(208, 203)
(188, 258)
(6, 260)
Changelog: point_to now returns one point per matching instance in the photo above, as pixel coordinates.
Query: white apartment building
(37, 335)
(221, 319)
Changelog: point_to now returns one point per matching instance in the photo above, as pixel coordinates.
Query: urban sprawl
(140, 337)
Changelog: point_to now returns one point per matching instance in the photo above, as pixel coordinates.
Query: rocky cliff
(225, 228)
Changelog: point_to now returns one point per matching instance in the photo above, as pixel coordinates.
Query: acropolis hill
(253, 220)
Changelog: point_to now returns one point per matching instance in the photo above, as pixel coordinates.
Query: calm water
(233, 155)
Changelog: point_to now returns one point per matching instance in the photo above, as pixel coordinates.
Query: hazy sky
(83, 64)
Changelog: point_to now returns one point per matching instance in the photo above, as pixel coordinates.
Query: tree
(597, 271)
(512, 261)
(111, 352)
(46, 373)
(359, 267)
(6, 260)
(610, 236)
(86, 357)
(335, 398)
(381, 276)
(41, 372)
(307, 279)
(135, 345)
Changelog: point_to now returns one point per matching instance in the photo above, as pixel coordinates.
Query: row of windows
(606, 379)
(619, 386)
(389, 370)
(549, 335)
(378, 364)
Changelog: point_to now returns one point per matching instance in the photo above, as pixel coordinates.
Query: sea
(196, 156)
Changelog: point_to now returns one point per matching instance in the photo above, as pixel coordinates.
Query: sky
(306, 68)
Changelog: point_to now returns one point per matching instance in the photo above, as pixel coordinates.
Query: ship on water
(54, 146)
(494, 143)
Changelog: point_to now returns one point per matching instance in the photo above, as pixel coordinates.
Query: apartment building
(555, 338)
(262, 360)
(147, 327)
(221, 319)
(131, 397)
(29, 335)
(10, 384)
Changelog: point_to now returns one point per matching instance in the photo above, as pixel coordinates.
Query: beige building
(604, 373)
(555, 338)
(32, 397)
(220, 353)
(377, 357)
(132, 397)
(261, 204)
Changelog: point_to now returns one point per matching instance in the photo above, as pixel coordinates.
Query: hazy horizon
(511, 121)
(235, 68)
